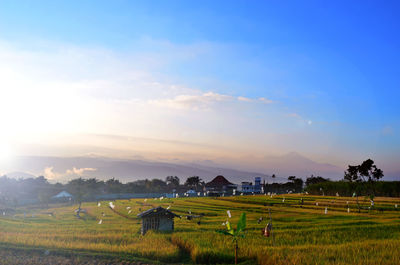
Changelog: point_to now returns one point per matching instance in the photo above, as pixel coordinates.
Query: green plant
(235, 233)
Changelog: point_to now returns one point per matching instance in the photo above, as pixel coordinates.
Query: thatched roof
(158, 211)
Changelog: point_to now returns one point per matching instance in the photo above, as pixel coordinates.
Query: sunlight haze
(182, 82)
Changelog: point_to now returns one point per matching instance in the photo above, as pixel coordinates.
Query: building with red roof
(220, 185)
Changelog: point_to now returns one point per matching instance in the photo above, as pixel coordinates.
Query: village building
(158, 218)
(248, 187)
(63, 196)
(191, 193)
(219, 186)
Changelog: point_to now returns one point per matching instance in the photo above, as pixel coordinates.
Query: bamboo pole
(272, 227)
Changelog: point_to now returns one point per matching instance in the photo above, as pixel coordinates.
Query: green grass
(303, 234)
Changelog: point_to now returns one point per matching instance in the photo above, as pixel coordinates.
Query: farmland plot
(305, 230)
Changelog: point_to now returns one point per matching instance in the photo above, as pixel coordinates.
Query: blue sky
(318, 77)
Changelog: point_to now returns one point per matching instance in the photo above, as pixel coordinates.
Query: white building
(248, 187)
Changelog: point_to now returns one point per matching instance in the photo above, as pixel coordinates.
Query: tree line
(294, 185)
(358, 180)
(22, 191)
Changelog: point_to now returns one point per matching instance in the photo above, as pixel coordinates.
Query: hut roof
(219, 181)
(158, 211)
(63, 194)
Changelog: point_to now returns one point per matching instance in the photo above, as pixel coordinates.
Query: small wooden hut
(157, 219)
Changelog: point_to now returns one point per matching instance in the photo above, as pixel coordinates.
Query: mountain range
(64, 168)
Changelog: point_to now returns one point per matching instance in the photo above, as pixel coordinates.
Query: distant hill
(125, 170)
(297, 165)
(22, 175)
(65, 168)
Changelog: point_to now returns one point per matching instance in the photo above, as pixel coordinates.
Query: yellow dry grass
(303, 234)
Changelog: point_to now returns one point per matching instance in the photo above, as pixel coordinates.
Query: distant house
(191, 193)
(220, 185)
(63, 196)
(158, 218)
(248, 187)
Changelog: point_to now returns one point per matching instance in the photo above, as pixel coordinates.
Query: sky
(224, 81)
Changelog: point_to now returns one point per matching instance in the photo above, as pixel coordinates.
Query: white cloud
(201, 101)
(265, 100)
(244, 99)
(260, 100)
(195, 102)
(79, 171)
(299, 118)
(49, 174)
(294, 115)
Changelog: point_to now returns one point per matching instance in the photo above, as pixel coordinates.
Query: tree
(297, 183)
(292, 178)
(44, 198)
(92, 187)
(193, 182)
(157, 185)
(113, 185)
(77, 188)
(367, 173)
(172, 181)
(315, 180)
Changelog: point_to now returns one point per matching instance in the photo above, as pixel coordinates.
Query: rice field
(319, 230)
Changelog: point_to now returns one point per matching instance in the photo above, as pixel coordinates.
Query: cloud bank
(51, 175)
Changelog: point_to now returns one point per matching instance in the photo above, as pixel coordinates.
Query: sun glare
(6, 153)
